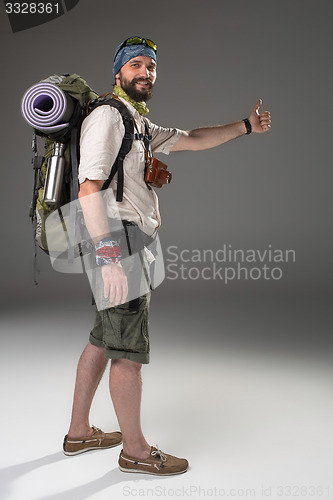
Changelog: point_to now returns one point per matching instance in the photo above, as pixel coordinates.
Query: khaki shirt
(101, 137)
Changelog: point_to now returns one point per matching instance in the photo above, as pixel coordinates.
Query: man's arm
(114, 277)
(209, 137)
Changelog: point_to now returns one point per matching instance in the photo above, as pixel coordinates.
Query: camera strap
(145, 138)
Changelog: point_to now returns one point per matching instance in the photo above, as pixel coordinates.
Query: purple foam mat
(47, 108)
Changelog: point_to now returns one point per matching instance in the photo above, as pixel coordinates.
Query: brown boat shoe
(158, 463)
(98, 441)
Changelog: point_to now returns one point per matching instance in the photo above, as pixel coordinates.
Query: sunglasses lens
(151, 44)
(134, 41)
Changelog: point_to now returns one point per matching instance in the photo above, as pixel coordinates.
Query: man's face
(137, 78)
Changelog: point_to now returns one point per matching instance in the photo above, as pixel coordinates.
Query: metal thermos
(55, 174)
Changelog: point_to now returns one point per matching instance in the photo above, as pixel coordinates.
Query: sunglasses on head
(137, 40)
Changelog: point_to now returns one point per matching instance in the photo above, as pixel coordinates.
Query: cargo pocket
(134, 325)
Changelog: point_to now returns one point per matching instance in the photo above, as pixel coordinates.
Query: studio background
(249, 360)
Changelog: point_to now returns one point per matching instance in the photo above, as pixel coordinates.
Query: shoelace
(160, 453)
(96, 429)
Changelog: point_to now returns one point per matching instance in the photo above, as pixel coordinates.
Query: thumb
(257, 106)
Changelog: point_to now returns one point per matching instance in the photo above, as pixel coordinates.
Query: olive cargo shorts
(123, 330)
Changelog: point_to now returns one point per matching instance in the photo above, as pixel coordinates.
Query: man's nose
(145, 72)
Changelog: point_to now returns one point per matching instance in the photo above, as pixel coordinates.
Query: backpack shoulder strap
(126, 144)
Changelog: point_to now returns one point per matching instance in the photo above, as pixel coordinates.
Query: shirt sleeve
(101, 137)
(163, 139)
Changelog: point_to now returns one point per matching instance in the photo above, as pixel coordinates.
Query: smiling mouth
(143, 83)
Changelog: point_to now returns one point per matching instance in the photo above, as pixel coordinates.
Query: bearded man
(121, 332)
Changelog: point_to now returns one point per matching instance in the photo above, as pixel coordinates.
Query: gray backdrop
(214, 61)
(271, 191)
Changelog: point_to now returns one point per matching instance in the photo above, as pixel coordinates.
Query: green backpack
(62, 234)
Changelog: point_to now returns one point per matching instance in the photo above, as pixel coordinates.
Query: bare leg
(90, 370)
(126, 389)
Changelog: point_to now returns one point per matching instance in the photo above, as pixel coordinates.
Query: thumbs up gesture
(260, 122)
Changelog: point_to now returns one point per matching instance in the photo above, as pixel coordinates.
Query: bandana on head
(130, 51)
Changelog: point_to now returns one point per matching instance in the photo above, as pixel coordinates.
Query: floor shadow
(9, 474)
(109, 479)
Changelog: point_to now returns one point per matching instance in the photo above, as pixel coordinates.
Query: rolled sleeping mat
(47, 108)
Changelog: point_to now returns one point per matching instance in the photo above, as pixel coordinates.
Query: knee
(94, 351)
(125, 366)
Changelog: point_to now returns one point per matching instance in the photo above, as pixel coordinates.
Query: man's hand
(260, 122)
(115, 283)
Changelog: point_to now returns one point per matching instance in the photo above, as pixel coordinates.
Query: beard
(137, 94)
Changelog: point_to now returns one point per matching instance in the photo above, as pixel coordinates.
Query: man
(121, 332)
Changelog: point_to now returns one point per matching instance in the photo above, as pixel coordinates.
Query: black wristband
(248, 126)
